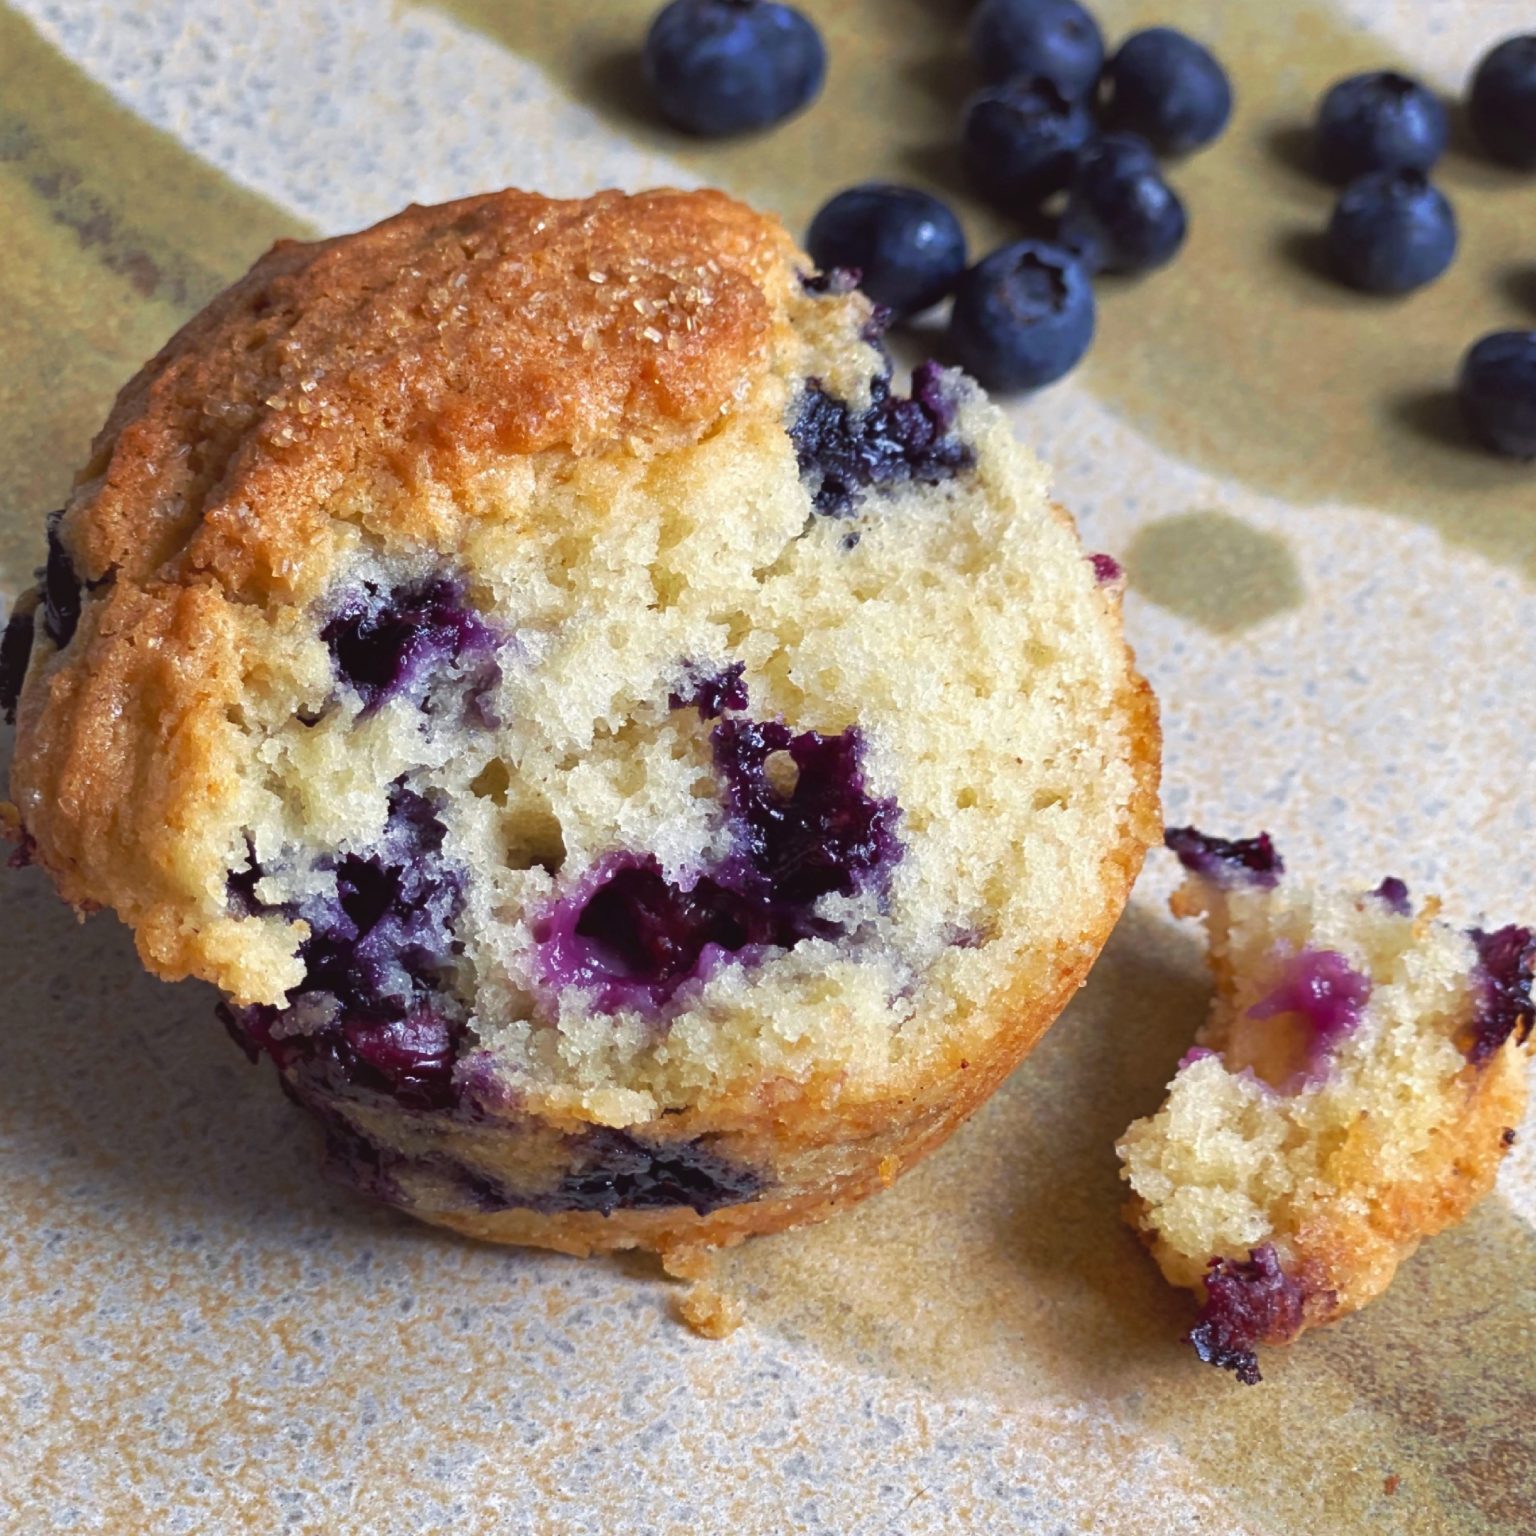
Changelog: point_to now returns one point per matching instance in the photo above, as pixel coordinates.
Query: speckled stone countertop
(1331, 594)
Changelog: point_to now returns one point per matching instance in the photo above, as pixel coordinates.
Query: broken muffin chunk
(1359, 1078)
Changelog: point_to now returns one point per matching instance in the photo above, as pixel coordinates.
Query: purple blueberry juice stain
(896, 440)
(1229, 863)
(370, 1012)
(1321, 988)
(396, 644)
(1248, 1302)
(1193, 1054)
(712, 693)
(1106, 569)
(1394, 893)
(633, 938)
(824, 835)
(1506, 962)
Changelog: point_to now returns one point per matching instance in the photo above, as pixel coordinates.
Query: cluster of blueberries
(1062, 129)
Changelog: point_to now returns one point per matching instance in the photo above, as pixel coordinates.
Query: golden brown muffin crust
(405, 352)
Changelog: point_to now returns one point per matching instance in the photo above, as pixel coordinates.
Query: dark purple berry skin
(1248, 1302)
(1380, 121)
(15, 653)
(625, 1173)
(1391, 232)
(395, 644)
(712, 693)
(1121, 216)
(826, 834)
(907, 247)
(1055, 40)
(1020, 141)
(369, 1013)
(1394, 893)
(1229, 863)
(1024, 316)
(1497, 391)
(1502, 101)
(633, 937)
(1169, 89)
(1506, 964)
(722, 67)
(61, 589)
(898, 440)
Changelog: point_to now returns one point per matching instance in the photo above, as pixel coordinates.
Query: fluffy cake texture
(1359, 1079)
(641, 778)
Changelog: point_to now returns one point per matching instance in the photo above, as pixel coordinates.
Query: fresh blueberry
(719, 67)
(1169, 89)
(896, 440)
(1502, 104)
(1498, 392)
(906, 245)
(1055, 40)
(1391, 232)
(1021, 139)
(1380, 121)
(1024, 316)
(1121, 216)
(15, 653)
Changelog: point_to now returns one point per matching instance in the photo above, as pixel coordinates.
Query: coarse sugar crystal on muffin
(1360, 1076)
(641, 776)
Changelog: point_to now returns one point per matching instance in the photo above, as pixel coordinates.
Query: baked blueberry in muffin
(640, 774)
(1358, 1080)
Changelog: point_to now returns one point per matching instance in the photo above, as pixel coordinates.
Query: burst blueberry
(1169, 89)
(396, 643)
(1227, 862)
(1247, 1302)
(61, 588)
(15, 653)
(1506, 964)
(1020, 141)
(895, 440)
(907, 246)
(369, 1010)
(1391, 232)
(1379, 121)
(1497, 391)
(720, 67)
(1121, 216)
(1502, 102)
(1054, 40)
(1024, 316)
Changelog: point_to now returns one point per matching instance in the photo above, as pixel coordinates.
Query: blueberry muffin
(1360, 1076)
(640, 776)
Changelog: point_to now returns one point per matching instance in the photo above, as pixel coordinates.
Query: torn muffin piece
(1360, 1076)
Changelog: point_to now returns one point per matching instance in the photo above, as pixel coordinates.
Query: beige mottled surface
(1331, 595)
